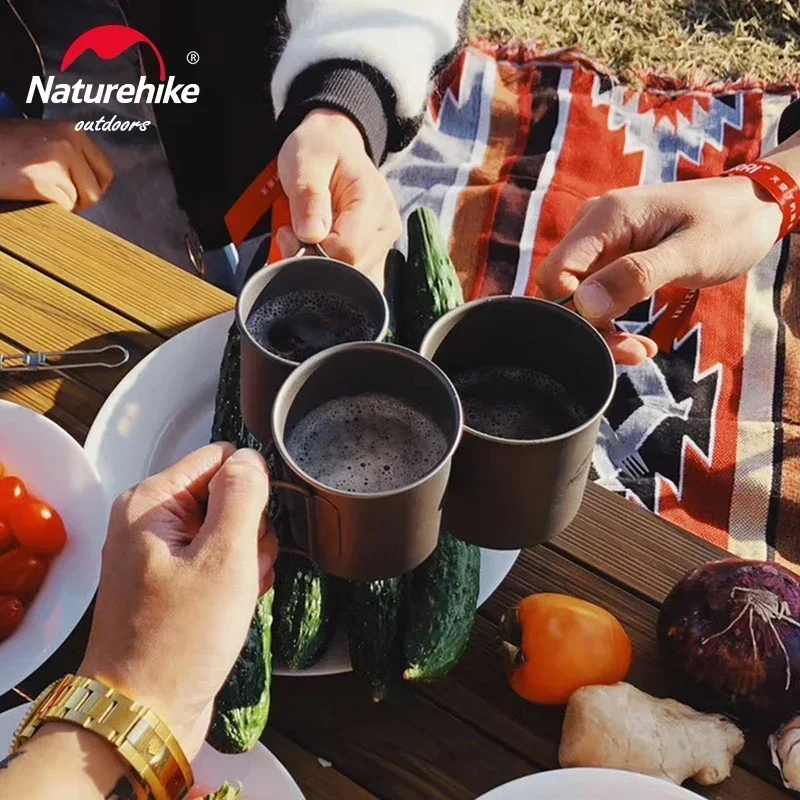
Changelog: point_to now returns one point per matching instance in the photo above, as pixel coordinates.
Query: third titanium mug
(507, 493)
(263, 371)
(367, 536)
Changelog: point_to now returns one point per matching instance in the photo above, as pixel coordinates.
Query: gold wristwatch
(160, 768)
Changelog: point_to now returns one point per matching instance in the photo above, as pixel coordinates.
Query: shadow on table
(16, 205)
(73, 401)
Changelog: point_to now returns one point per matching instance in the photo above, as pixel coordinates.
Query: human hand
(625, 245)
(337, 196)
(51, 161)
(186, 557)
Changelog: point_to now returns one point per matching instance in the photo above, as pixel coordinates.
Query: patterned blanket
(511, 146)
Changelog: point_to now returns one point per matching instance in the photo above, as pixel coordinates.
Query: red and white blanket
(510, 148)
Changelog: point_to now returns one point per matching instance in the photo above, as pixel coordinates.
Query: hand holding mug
(624, 246)
(337, 195)
(186, 557)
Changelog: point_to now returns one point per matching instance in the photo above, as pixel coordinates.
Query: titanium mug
(507, 494)
(262, 371)
(366, 536)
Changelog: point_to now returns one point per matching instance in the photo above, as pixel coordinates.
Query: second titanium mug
(507, 494)
(367, 536)
(262, 371)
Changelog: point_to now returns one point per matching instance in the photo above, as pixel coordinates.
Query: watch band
(160, 768)
(779, 184)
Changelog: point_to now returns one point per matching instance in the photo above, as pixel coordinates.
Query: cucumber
(442, 600)
(306, 602)
(228, 425)
(375, 611)
(394, 271)
(241, 708)
(418, 293)
(226, 792)
(443, 592)
(430, 284)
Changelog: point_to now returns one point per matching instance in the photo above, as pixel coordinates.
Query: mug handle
(309, 498)
(316, 247)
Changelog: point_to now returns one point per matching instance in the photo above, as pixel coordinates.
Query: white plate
(589, 784)
(163, 409)
(56, 470)
(262, 776)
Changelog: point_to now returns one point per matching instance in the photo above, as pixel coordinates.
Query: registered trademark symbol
(193, 56)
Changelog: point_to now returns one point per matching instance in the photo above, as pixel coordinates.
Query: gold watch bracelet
(142, 739)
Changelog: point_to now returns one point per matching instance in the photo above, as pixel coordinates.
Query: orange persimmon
(556, 643)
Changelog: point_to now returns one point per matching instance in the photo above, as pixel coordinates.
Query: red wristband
(779, 184)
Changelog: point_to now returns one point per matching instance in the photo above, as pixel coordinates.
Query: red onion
(729, 634)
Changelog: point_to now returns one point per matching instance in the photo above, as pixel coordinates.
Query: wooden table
(66, 283)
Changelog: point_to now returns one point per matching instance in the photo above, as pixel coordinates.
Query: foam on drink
(366, 443)
(516, 402)
(298, 324)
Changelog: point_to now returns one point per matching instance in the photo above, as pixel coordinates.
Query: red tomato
(38, 526)
(22, 572)
(6, 537)
(11, 613)
(12, 490)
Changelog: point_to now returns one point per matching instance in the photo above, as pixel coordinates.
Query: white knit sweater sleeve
(402, 39)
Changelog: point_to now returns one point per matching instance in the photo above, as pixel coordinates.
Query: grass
(693, 40)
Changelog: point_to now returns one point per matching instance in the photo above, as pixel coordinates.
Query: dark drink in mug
(289, 312)
(299, 324)
(367, 443)
(515, 402)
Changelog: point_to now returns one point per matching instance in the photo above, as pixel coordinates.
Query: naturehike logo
(109, 42)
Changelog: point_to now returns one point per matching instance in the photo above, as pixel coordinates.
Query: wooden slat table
(65, 283)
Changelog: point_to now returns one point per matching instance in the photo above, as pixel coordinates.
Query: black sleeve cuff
(344, 86)
(790, 122)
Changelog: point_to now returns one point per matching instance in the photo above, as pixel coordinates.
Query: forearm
(62, 760)
(391, 47)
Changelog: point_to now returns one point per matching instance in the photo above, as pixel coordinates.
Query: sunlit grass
(691, 39)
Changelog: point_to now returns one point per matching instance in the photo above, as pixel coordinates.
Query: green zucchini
(430, 284)
(226, 792)
(375, 612)
(241, 708)
(442, 600)
(306, 602)
(228, 425)
(394, 270)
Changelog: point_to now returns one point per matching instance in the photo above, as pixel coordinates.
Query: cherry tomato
(11, 613)
(6, 537)
(2, 469)
(38, 527)
(12, 490)
(22, 572)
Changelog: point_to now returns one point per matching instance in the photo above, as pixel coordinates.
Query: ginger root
(620, 727)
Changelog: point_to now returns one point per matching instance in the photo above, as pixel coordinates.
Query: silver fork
(624, 457)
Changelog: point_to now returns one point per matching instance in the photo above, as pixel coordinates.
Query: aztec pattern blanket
(511, 146)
